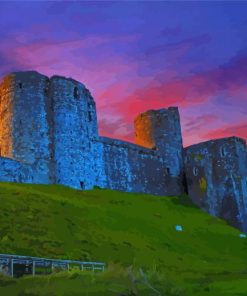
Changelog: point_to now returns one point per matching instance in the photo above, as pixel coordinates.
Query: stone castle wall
(216, 174)
(14, 171)
(51, 124)
(132, 168)
(49, 135)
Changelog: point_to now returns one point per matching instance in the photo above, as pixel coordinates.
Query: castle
(49, 135)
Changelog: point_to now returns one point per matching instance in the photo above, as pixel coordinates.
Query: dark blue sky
(135, 56)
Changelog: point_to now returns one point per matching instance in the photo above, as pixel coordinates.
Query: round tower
(161, 130)
(24, 131)
(74, 130)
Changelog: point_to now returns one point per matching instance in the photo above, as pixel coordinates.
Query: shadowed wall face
(133, 168)
(216, 176)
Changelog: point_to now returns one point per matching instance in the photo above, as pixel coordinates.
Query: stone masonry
(216, 173)
(49, 135)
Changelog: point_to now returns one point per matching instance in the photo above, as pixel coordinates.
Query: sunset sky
(135, 56)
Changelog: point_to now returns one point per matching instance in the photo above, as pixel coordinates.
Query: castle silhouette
(49, 135)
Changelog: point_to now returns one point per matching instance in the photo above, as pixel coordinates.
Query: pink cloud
(196, 122)
(122, 89)
(185, 92)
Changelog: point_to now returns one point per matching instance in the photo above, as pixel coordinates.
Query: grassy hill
(133, 233)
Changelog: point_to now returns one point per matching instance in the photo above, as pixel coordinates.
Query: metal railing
(9, 262)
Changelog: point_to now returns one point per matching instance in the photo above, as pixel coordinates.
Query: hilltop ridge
(123, 228)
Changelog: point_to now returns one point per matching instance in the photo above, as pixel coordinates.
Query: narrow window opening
(82, 185)
(20, 85)
(76, 93)
(89, 116)
(195, 171)
(185, 185)
(168, 171)
(222, 151)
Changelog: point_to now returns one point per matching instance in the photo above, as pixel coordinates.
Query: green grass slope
(207, 258)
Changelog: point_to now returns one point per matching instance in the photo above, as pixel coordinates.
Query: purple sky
(135, 56)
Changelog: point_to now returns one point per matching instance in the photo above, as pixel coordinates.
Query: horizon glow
(135, 56)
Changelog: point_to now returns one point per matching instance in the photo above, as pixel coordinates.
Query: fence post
(33, 268)
(11, 267)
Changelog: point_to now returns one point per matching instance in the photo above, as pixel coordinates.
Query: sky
(135, 56)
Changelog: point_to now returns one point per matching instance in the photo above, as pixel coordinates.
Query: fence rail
(9, 264)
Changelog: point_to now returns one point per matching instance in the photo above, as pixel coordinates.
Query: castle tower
(216, 173)
(74, 130)
(24, 132)
(160, 130)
